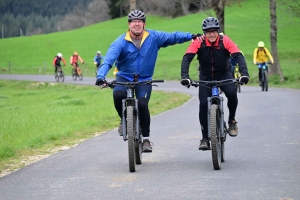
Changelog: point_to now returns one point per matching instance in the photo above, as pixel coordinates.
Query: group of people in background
(75, 57)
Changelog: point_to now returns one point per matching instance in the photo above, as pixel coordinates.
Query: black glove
(100, 82)
(194, 36)
(186, 82)
(244, 79)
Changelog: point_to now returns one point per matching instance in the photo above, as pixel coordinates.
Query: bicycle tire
(56, 78)
(138, 150)
(238, 88)
(80, 77)
(266, 81)
(130, 120)
(215, 129)
(262, 82)
(62, 78)
(222, 151)
(74, 76)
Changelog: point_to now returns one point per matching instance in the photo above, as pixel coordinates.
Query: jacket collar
(145, 35)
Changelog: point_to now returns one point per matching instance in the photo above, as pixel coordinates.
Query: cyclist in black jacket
(213, 54)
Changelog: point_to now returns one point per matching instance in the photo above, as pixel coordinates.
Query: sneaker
(147, 148)
(233, 129)
(204, 144)
(120, 129)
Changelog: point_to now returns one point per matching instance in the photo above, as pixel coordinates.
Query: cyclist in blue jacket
(97, 59)
(135, 53)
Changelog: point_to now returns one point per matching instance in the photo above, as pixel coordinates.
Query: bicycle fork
(136, 114)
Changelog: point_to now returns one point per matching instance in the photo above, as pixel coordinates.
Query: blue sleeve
(166, 39)
(95, 59)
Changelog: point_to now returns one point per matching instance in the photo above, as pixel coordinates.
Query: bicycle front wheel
(130, 120)
(80, 77)
(215, 133)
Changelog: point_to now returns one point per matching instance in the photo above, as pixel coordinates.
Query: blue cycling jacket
(131, 60)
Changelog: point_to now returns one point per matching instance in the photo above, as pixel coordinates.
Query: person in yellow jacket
(261, 55)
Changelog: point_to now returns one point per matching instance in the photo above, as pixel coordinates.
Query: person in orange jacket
(74, 61)
(56, 61)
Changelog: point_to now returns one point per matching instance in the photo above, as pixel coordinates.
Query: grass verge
(39, 118)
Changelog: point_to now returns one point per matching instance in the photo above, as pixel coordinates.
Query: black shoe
(147, 147)
(204, 144)
(233, 128)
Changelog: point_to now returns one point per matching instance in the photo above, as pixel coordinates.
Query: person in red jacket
(74, 61)
(56, 61)
(213, 55)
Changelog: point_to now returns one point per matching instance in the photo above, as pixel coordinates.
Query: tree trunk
(218, 6)
(274, 69)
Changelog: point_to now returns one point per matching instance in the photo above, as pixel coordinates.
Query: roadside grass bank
(39, 118)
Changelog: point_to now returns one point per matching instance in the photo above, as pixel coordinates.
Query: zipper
(212, 67)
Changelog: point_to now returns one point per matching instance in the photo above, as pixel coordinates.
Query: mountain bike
(75, 74)
(237, 74)
(264, 75)
(59, 75)
(217, 129)
(130, 121)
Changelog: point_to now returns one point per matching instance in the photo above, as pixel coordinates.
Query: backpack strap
(258, 51)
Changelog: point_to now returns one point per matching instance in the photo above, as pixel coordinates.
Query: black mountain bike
(59, 75)
(264, 75)
(130, 121)
(217, 129)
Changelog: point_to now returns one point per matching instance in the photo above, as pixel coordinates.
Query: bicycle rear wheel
(130, 120)
(80, 77)
(266, 80)
(215, 132)
(262, 82)
(138, 150)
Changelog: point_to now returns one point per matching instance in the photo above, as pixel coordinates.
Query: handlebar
(264, 63)
(213, 83)
(113, 83)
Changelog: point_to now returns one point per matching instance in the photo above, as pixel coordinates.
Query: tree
(274, 69)
(218, 6)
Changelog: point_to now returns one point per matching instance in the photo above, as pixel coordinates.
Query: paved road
(262, 162)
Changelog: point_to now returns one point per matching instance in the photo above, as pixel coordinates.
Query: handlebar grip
(158, 81)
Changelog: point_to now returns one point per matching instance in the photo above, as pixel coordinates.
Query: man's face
(211, 34)
(136, 26)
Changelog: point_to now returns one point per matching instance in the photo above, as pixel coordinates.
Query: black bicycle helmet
(136, 15)
(210, 22)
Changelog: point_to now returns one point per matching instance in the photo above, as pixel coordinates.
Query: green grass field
(39, 116)
(246, 25)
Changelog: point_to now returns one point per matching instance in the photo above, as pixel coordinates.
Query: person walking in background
(135, 53)
(261, 55)
(56, 61)
(74, 62)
